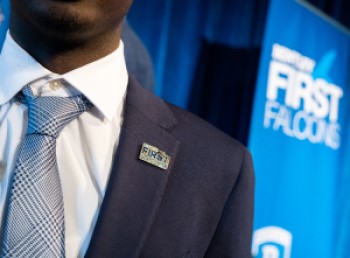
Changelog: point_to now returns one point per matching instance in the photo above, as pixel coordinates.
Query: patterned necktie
(34, 225)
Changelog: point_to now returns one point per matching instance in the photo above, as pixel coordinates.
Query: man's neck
(62, 57)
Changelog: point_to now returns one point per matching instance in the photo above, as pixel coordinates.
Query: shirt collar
(103, 82)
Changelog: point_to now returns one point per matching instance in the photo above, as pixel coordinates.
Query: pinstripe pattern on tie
(34, 224)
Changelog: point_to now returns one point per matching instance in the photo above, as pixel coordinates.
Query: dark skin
(63, 35)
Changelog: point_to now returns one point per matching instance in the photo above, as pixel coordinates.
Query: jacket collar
(135, 188)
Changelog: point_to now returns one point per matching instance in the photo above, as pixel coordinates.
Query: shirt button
(54, 85)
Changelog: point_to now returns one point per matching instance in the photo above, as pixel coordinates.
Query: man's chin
(70, 21)
(64, 24)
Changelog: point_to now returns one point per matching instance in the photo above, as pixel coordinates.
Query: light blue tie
(34, 225)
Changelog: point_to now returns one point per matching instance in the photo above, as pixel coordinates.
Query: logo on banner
(298, 104)
(272, 242)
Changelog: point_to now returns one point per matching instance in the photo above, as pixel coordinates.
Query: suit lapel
(135, 188)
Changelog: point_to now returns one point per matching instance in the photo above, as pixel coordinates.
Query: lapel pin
(154, 156)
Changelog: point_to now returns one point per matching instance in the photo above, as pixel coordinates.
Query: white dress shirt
(85, 147)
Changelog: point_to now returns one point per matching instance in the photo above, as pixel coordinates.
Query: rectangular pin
(154, 156)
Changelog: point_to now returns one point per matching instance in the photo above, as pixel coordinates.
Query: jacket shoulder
(206, 143)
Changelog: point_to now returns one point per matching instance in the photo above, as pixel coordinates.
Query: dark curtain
(223, 94)
(223, 86)
(172, 32)
(206, 55)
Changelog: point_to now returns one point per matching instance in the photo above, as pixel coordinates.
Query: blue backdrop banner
(298, 133)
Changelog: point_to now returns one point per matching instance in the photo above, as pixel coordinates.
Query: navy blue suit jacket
(201, 206)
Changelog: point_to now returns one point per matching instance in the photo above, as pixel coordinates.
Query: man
(187, 192)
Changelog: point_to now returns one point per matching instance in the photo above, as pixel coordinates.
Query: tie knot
(49, 115)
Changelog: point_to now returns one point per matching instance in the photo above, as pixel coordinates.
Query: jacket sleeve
(233, 235)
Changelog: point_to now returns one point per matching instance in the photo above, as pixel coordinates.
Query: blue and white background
(299, 109)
